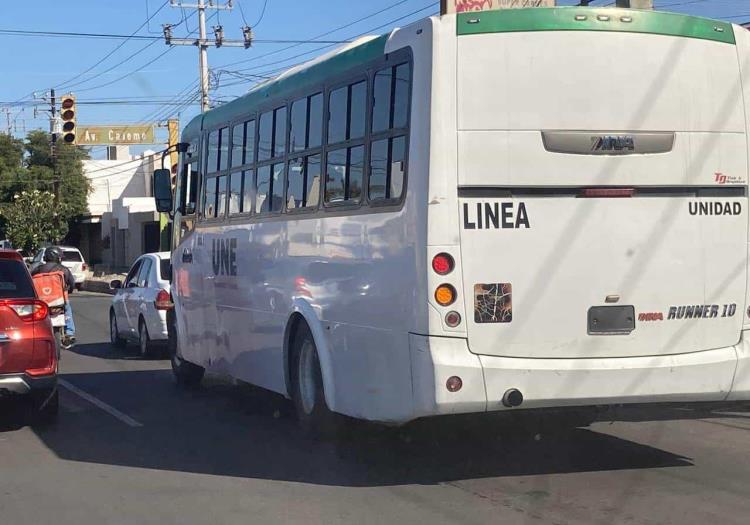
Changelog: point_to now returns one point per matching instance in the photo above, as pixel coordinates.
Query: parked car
(28, 351)
(72, 259)
(140, 304)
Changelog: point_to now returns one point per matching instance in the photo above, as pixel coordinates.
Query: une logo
(224, 256)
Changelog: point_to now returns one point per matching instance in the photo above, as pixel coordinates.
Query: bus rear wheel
(186, 374)
(315, 418)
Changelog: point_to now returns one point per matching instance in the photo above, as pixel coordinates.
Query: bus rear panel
(601, 175)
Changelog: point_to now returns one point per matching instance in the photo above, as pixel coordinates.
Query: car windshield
(72, 256)
(15, 282)
(165, 269)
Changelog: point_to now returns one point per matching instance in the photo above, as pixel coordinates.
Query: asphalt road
(132, 448)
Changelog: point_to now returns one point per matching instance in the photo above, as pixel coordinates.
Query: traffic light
(68, 116)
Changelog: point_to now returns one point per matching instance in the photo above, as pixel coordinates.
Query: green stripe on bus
(592, 19)
(278, 90)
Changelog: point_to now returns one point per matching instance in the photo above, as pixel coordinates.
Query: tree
(29, 166)
(73, 186)
(34, 218)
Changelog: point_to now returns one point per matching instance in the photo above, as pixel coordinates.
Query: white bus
(533, 208)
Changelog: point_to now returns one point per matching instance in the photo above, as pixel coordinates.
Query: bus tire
(186, 374)
(314, 416)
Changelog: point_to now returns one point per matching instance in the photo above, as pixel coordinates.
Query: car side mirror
(163, 190)
(132, 284)
(115, 284)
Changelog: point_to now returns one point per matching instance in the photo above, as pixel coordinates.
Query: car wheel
(114, 334)
(145, 346)
(186, 374)
(315, 418)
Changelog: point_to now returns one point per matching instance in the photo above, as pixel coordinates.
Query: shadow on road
(241, 431)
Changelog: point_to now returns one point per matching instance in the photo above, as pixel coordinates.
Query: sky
(157, 82)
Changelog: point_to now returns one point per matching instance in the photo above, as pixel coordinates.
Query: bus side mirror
(163, 190)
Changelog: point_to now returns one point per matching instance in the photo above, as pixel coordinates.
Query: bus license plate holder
(611, 320)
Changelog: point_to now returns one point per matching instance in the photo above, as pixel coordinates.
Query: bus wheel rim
(306, 374)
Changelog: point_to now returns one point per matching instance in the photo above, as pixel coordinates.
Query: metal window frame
(365, 71)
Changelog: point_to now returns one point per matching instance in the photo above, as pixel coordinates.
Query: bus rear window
(15, 282)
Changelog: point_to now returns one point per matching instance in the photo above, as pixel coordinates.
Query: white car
(140, 304)
(72, 258)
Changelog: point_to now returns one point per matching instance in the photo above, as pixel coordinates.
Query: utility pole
(202, 41)
(53, 142)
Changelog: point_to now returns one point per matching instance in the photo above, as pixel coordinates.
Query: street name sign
(115, 135)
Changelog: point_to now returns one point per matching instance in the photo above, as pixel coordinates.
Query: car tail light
(442, 264)
(44, 359)
(84, 267)
(445, 294)
(163, 301)
(28, 309)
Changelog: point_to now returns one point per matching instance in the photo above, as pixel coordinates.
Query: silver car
(139, 306)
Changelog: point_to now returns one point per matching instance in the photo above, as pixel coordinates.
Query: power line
(105, 57)
(262, 14)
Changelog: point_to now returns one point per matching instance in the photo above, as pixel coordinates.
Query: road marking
(112, 411)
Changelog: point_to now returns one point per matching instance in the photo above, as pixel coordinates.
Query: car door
(124, 297)
(135, 301)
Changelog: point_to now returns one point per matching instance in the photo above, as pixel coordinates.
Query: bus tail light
(453, 319)
(607, 193)
(163, 301)
(445, 294)
(443, 264)
(454, 384)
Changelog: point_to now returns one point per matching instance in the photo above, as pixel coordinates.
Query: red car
(28, 351)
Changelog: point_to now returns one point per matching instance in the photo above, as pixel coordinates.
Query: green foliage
(34, 218)
(26, 166)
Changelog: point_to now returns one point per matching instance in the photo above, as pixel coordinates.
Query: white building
(122, 222)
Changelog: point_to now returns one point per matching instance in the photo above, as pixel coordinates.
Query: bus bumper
(713, 375)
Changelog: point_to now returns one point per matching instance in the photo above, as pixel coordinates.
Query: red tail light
(163, 301)
(84, 267)
(29, 310)
(443, 264)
